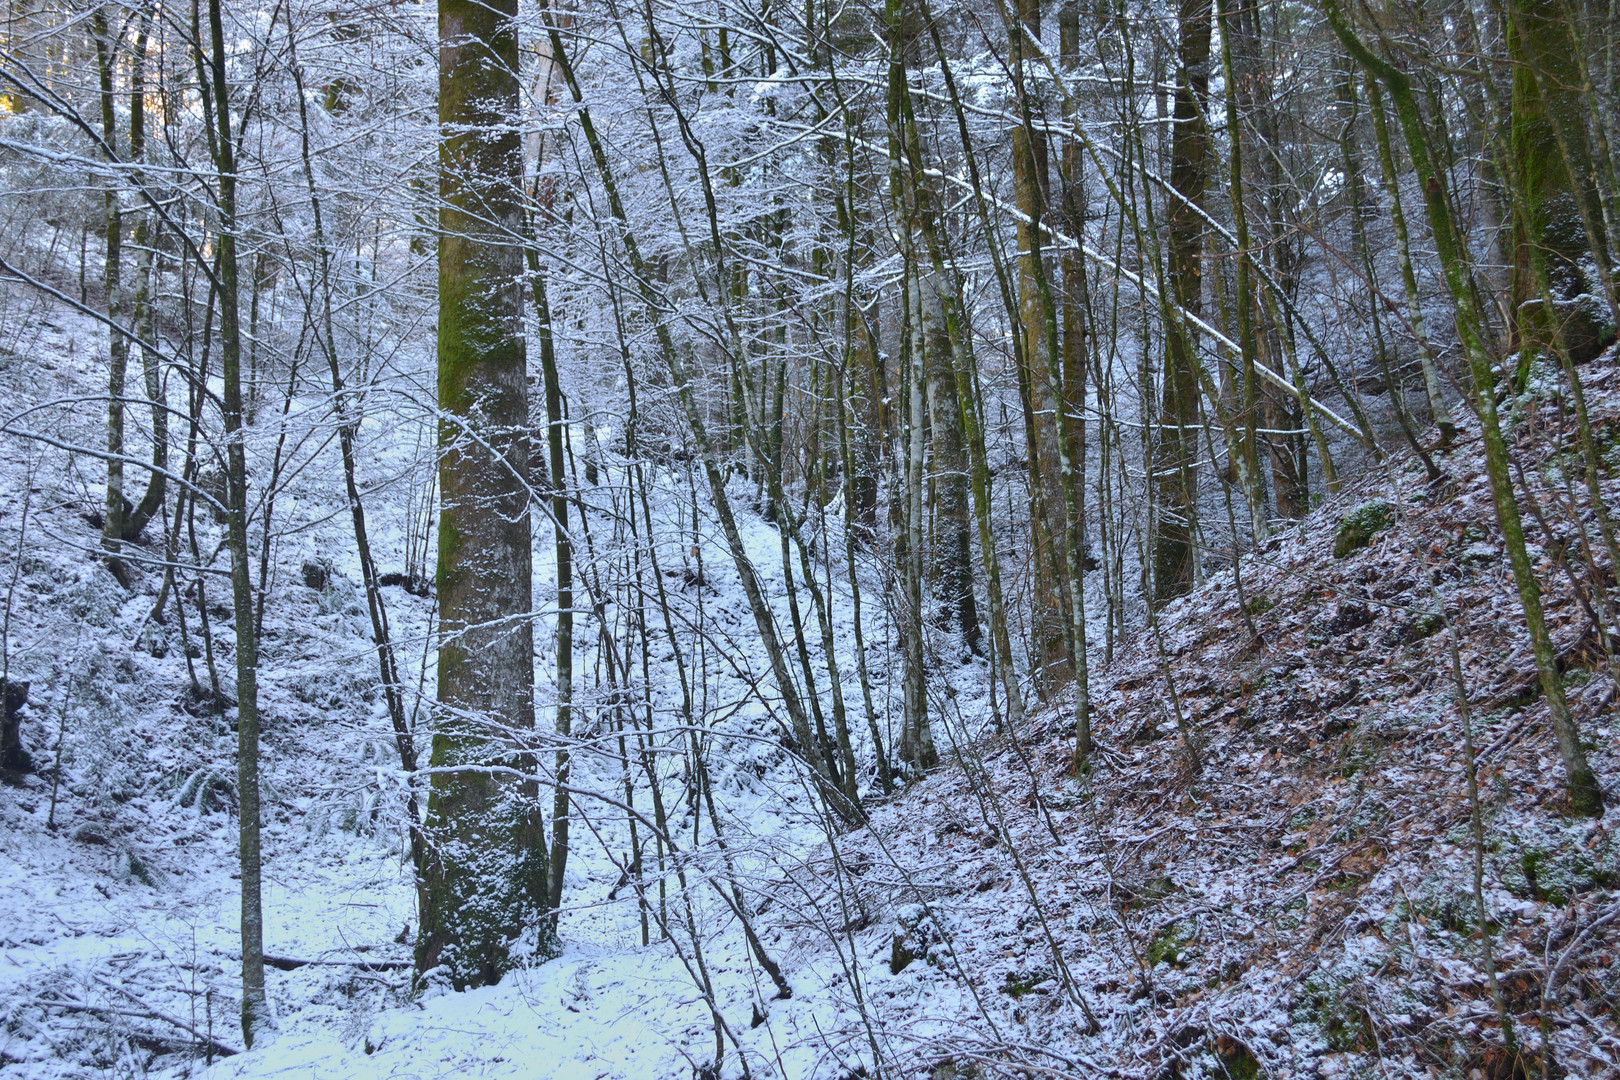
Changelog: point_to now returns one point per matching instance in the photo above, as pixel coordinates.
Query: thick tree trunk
(1049, 628)
(971, 399)
(1548, 140)
(952, 561)
(1245, 456)
(484, 892)
(1076, 288)
(1176, 453)
(1069, 526)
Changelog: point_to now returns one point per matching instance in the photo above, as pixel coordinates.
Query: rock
(1581, 326)
(1357, 528)
(1346, 617)
(1584, 326)
(13, 757)
(316, 573)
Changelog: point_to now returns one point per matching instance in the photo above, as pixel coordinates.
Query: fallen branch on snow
(201, 1040)
(288, 963)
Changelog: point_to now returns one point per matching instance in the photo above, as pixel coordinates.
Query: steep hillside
(1270, 871)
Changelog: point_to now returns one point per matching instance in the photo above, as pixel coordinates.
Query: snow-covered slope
(1283, 889)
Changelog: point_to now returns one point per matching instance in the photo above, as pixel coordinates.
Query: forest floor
(1268, 870)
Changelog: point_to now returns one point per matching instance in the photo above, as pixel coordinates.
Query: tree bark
(1245, 459)
(485, 884)
(145, 269)
(1176, 453)
(255, 1004)
(952, 562)
(1556, 199)
(1049, 629)
(117, 505)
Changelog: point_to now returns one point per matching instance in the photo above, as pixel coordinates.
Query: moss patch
(1168, 946)
(1236, 1059)
(1359, 526)
(1557, 865)
(1019, 983)
(1330, 1004)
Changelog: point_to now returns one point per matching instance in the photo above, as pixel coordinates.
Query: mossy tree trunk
(1071, 206)
(1548, 142)
(952, 561)
(1245, 462)
(1049, 638)
(1176, 437)
(908, 190)
(484, 884)
(1068, 525)
(969, 393)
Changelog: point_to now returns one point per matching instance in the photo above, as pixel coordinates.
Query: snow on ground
(1296, 904)
(120, 924)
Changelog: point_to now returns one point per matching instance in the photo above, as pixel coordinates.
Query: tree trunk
(1548, 141)
(564, 548)
(1245, 455)
(145, 269)
(116, 508)
(1176, 453)
(1069, 524)
(952, 561)
(916, 743)
(1049, 627)
(255, 1005)
(485, 884)
(1076, 289)
(971, 399)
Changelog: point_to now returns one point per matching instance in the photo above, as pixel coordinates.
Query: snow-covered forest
(640, 539)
